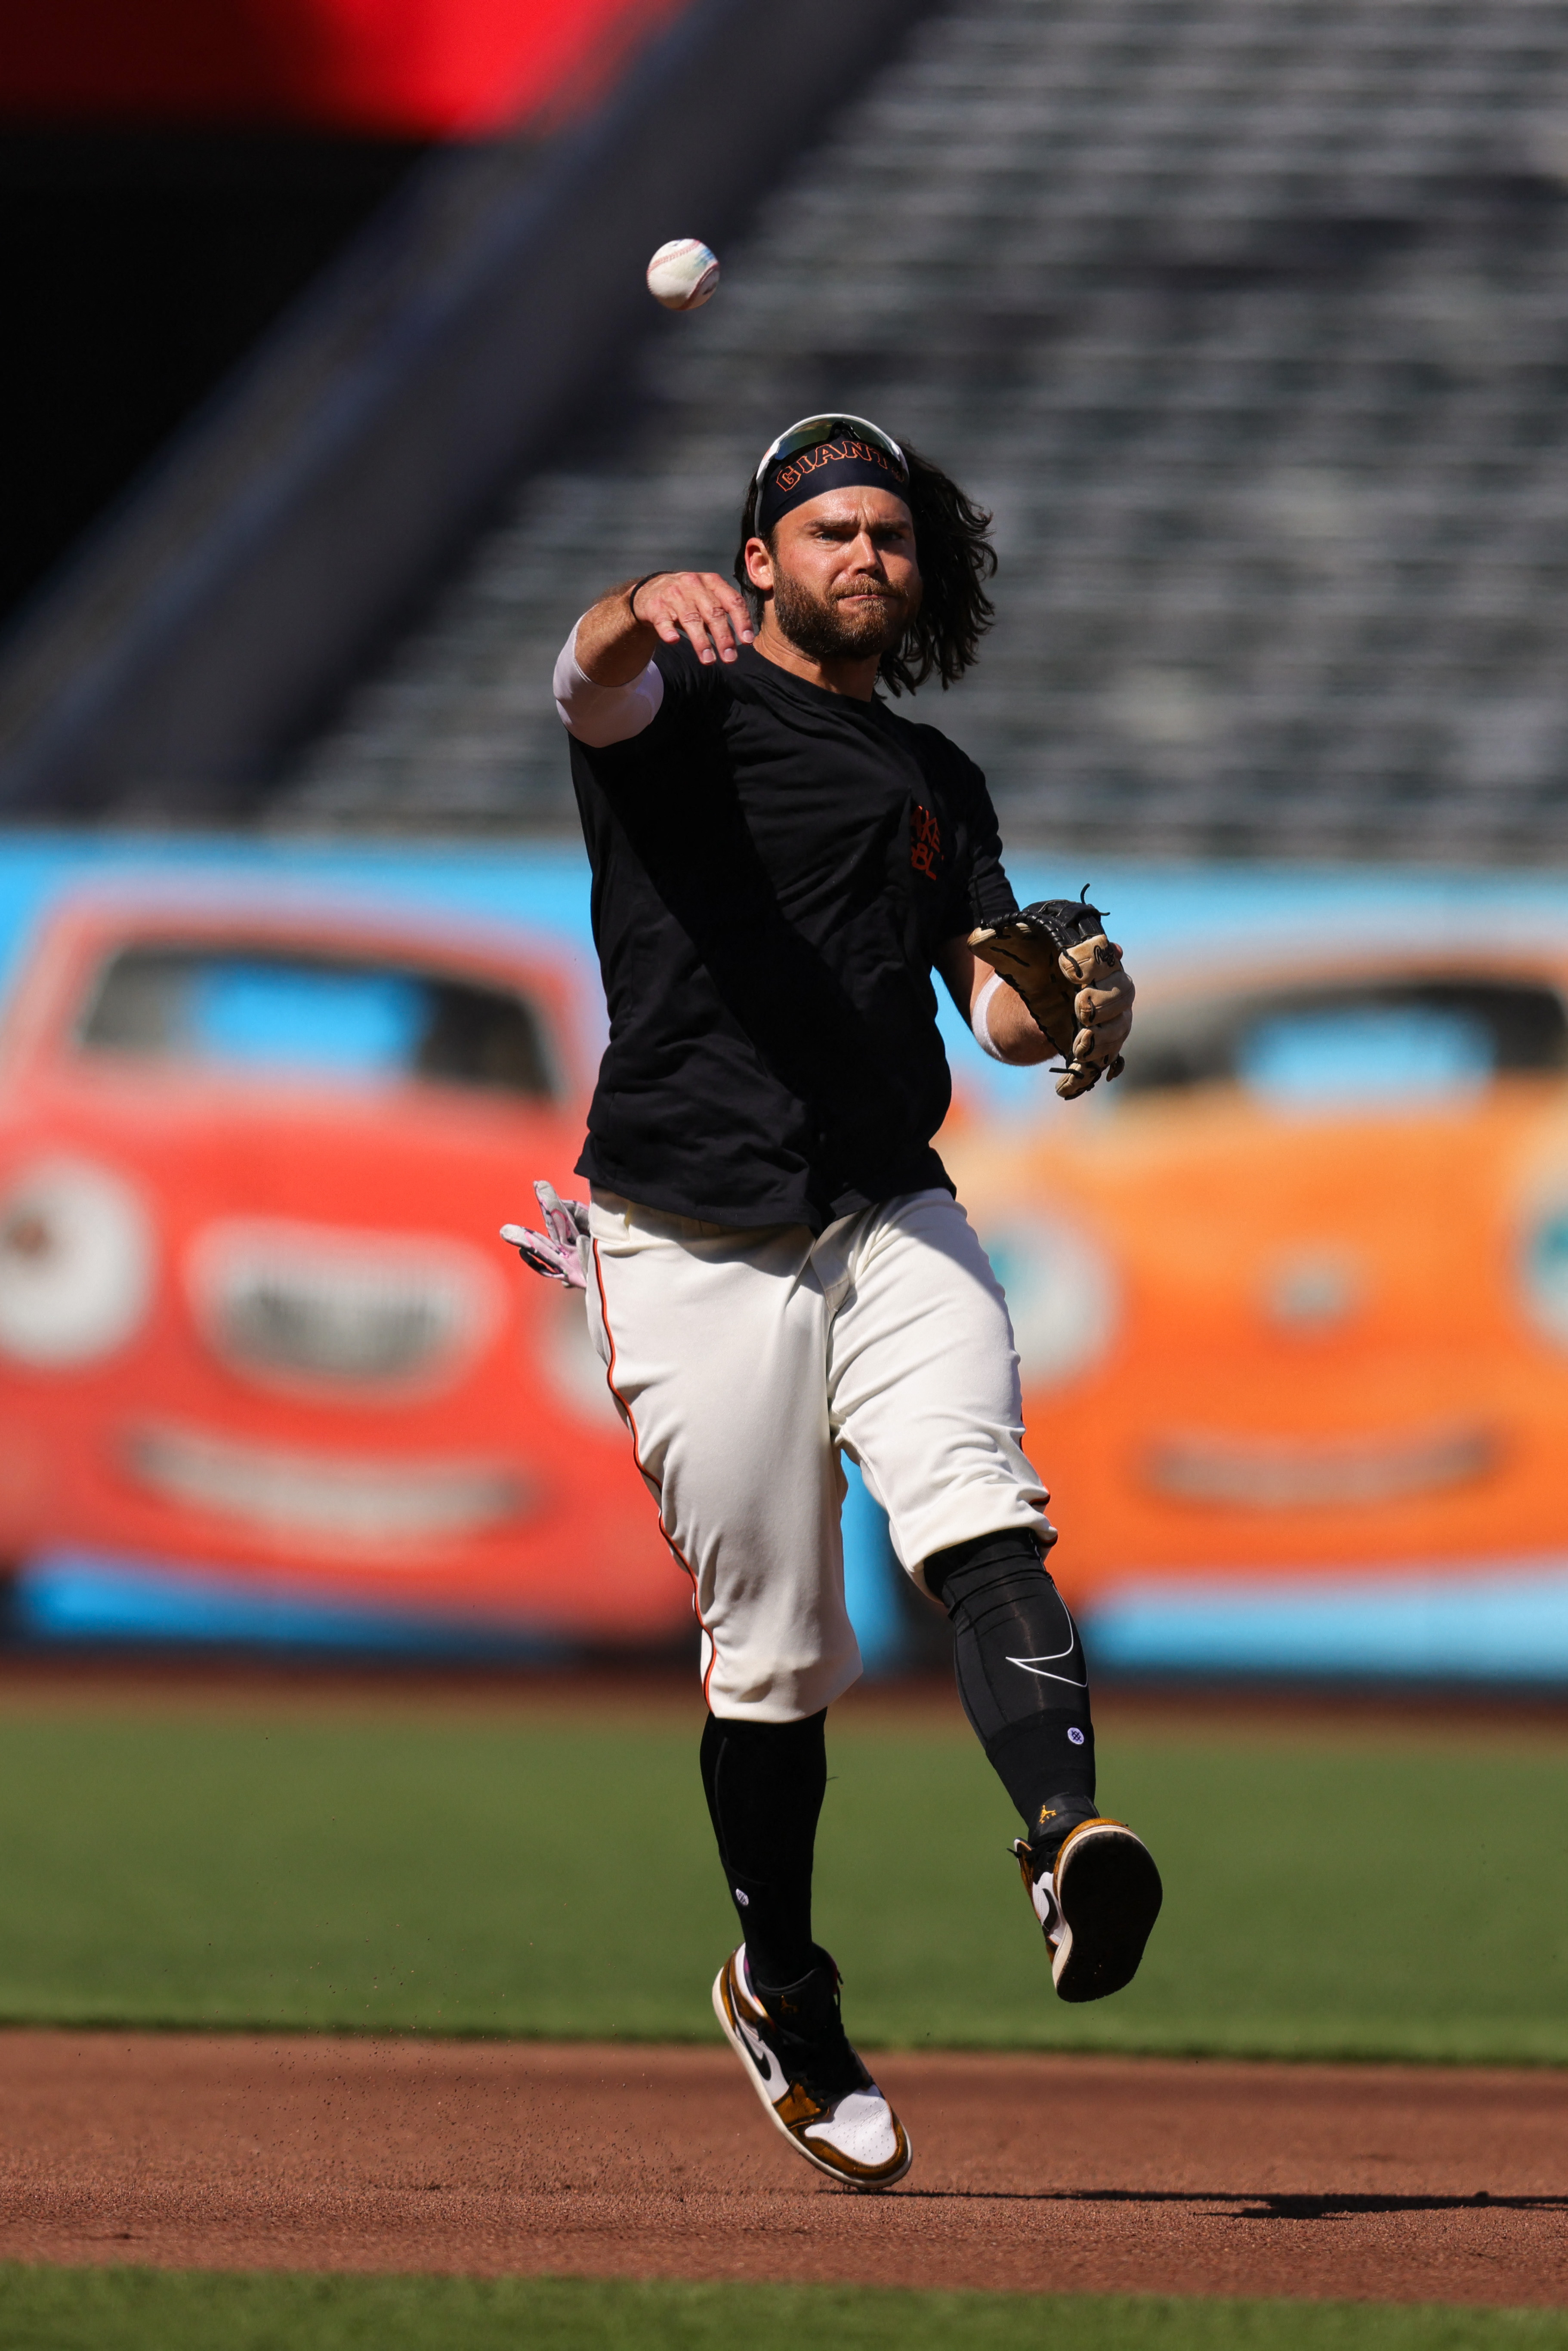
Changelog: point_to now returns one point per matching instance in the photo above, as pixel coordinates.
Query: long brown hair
(956, 555)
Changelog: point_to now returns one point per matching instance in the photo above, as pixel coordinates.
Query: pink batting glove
(555, 1253)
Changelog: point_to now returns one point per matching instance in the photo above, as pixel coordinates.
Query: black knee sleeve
(765, 1784)
(1021, 1675)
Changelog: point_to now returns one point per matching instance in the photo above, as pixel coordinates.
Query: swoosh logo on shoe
(763, 2059)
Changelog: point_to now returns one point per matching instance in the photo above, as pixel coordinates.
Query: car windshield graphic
(1387, 1043)
(1372, 1052)
(272, 1014)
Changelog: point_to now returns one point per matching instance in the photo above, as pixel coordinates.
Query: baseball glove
(1057, 957)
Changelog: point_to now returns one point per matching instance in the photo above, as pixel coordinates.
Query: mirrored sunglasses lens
(800, 436)
(812, 429)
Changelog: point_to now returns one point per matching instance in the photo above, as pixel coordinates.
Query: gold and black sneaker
(1096, 1894)
(811, 2082)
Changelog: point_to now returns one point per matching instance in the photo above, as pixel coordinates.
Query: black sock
(1032, 1719)
(765, 1784)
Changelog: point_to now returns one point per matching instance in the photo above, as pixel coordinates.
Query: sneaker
(809, 2080)
(1096, 1902)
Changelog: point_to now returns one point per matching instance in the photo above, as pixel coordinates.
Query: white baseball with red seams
(683, 274)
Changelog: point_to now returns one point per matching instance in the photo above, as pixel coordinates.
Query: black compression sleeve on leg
(1021, 1675)
(765, 1784)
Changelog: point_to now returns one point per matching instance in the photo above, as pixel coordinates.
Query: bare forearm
(1012, 1029)
(1013, 1035)
(612, 648)
(616, 640)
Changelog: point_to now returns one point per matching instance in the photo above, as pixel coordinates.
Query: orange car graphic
(1291, 1299)
(253, 1307)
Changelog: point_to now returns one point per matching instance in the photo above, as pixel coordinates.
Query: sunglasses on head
(810, 430)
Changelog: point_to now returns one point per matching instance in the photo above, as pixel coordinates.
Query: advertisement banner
(1290, 1298)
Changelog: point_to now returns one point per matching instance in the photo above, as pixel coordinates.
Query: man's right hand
(614, 645)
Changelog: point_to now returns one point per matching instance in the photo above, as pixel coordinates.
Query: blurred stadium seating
(219, 606)
(1245, 315)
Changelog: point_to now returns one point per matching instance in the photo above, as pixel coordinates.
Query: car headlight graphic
(1545, 1272)
(76, 1262)
(1061, 1292)
(558, 1332)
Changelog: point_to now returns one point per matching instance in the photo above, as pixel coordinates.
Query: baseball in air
(683, 274)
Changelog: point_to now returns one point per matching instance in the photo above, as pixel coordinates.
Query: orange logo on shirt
(926, 849)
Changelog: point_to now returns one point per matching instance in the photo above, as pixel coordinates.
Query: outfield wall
(1291, 1302)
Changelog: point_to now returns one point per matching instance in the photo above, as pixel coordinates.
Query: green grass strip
(555, 1875)
(195, 2310)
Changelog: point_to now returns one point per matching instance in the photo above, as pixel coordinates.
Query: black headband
(845, 464)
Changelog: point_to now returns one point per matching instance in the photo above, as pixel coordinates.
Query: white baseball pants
(743, 1362)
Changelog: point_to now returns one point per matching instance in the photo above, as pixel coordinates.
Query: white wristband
(979, 1020)
(601, 715)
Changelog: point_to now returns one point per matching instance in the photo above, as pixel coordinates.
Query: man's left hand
(1056, 955)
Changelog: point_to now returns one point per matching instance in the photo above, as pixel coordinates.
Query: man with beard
(777, 1271)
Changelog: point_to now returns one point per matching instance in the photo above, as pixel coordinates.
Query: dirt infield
(1065, 2173)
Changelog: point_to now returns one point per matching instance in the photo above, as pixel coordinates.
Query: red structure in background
(253, 1306)
(412, 69)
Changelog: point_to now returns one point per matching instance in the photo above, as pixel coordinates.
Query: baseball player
(777, 1270)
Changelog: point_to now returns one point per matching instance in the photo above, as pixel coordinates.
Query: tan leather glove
(1072, 980)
